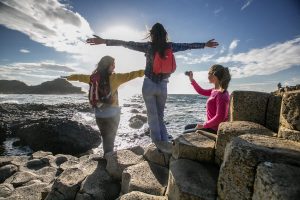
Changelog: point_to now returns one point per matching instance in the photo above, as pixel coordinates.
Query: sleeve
(220, 113)
(120, 78)
(199, 90)
(185, 46)
(137, 46)
(79, 77)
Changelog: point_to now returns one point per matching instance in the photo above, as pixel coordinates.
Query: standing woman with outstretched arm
(155, 85)
(107, 110)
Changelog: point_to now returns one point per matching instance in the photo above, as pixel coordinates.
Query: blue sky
(259, 39)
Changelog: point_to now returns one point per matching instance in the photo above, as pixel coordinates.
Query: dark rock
(6, 171)
(59, 136)
(137, 121)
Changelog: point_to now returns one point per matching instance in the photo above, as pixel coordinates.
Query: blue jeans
(155, 96)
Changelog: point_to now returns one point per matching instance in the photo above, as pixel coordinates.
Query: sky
(259, 39)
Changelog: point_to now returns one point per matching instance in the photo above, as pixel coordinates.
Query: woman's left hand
(211, 43)
(199, 126)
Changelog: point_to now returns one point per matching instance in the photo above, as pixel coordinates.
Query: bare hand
(95, 40)
(199, 126)
(211, 43)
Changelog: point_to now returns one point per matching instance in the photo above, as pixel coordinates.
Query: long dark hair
(223, 75)
(159, 38)
(102, 67)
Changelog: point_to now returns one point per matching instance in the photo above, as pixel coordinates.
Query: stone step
(117, 161)
(194, 146)
(228, 130)
(145, 177)
(276, 181)
(192, 180)
(242, 156)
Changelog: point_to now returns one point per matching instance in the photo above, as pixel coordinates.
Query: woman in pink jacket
(217, 105)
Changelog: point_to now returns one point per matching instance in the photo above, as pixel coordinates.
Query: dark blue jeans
(108, 129)
(155, 96)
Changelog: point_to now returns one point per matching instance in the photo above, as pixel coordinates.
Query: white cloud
(263, 61)
(24, 51)
(191, 59)
(233, 45)
(47, 22)
(246, 4)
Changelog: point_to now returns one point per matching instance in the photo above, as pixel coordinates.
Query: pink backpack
(166, 65)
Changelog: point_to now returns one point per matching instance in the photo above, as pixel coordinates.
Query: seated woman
(107, 110)
(217, 104)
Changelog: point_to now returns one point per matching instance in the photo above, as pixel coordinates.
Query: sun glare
(123, 32)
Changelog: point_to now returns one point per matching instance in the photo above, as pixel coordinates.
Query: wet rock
(228, 130)
(6, 171)
(194, 146)
(15, 116)
(117, 161)
(276, 181)
(290, 111)
(134, 110)
(242, 156)
(60, 136)
(145, 177)
(249, 106)
(36, 164)
(137, 121)
(192, 180)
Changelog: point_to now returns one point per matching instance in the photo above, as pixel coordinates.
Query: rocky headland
(57, 86)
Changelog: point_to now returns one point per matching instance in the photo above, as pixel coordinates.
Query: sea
(180, 110)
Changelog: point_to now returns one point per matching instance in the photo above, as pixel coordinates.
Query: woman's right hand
(96, 40)
(191, 76)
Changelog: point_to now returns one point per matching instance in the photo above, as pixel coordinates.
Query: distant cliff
(57, 86)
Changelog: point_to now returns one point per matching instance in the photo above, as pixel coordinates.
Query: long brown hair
(102, 67)
(223, 75)
(159, 39)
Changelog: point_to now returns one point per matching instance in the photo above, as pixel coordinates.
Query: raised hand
(95, 40)
(211, 43)
(191, 76)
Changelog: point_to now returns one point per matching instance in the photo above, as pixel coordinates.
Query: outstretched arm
(186, 46)
(79, 77)
(120, 78)
(137, 46)
(197, 87)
